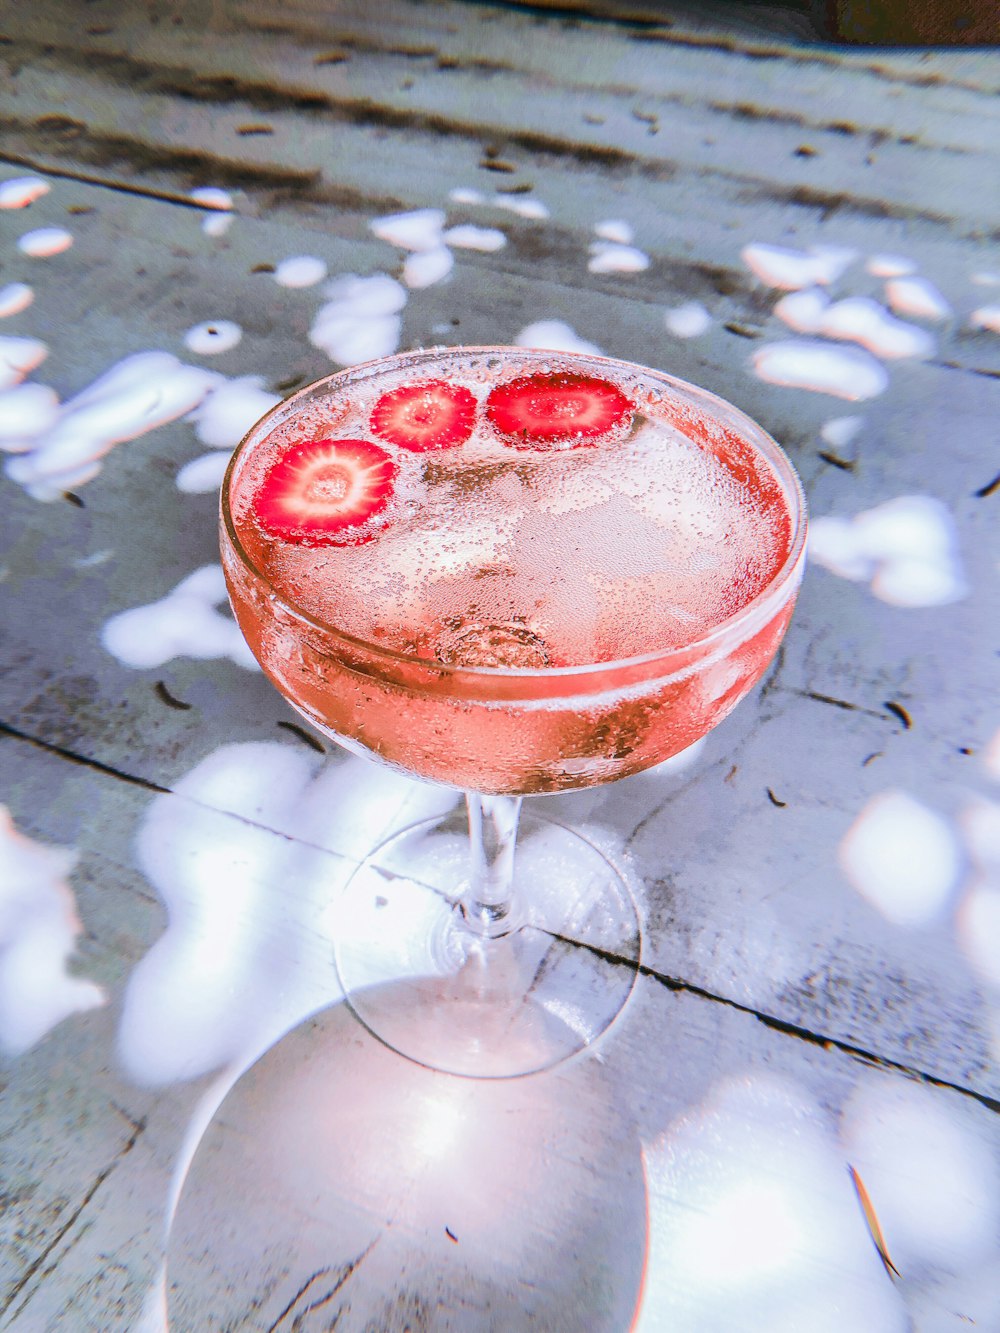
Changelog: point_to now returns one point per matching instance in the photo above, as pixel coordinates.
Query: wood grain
(705, 135)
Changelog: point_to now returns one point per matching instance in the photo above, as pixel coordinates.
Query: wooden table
(820, 881)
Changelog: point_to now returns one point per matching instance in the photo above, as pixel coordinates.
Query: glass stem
(487, 903)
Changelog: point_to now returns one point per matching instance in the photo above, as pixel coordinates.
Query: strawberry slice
(537, 411)
(321, 492)
(429, 415)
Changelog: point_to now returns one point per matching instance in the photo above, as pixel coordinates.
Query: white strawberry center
(423, 414)
(329, 486)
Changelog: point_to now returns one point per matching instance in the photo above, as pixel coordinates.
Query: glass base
(339, 1186)
(482, 1007)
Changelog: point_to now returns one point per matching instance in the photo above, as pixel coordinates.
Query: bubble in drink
(658, 538)
(517, 514)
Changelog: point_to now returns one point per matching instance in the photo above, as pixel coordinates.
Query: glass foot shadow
(340, 1185)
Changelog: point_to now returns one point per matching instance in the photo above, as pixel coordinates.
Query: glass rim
(671, 658)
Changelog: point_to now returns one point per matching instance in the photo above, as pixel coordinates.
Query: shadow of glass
(341, 1185)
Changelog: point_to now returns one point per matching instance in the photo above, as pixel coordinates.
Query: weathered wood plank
(285, 65)
(692, 1106)
(82, 1182)
(654, 112)
(68, 692)
(764, 959)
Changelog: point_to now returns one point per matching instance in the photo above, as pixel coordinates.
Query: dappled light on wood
(806, 230)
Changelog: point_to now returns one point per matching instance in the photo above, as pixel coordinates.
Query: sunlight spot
(487, 239)
(416, 230)
(360, 322)
(855, 319)
(916, 297)
(555, 336)
(748, 1234)
(754, 1224)
(38, 928)
(45, 242)
(777, 266)
(805, 363)
(689, 320)
(212, 337)
(182, 624)
(14, 298)
(427, 267)
(617, 230)
(22, 191)
(300, 271)
(903, 858)
(905, 547)
(932, 1178)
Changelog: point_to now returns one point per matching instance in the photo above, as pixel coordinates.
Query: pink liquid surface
(557, 567)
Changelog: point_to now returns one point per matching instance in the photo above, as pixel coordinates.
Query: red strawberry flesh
(321, 492)
(431, 414)
(536, 411)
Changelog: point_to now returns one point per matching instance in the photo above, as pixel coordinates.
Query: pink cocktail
(511, 572)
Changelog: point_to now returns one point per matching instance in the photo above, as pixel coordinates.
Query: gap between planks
(214, 85)
(651, 26)
(675, 984)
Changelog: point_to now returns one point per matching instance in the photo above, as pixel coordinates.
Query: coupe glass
(490, 942)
